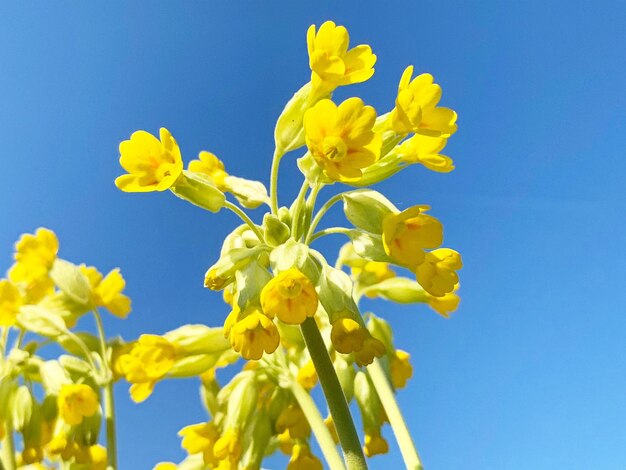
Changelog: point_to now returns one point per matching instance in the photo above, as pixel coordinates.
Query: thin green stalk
(109, 403)
(8, 447)
(337, 404)
(329, 231)
(400, 430)
(313, 416)
(274, 181)
(243, 216)
(332, 201)
(298, 209)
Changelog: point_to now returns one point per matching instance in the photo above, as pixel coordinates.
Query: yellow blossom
(10, 301)
(292, 419)
(290, 296)
(416, 107)
(437, 274)
(425, 150)
(371, 348)
(200, 438)
(76, 401)
(303, 459)
(211, 166)
(406, 234)
(34, 256)
(228, 446)
(253, 335)
(332, 64)
(401, 369)
(152, 165)
(97, 457)
(165, 466)
(347, 335)
(375, 444)
(372, 272)
(446, 304)
(341, 139)
(31, 455)
(107, 291)
(148, 361)
(330, 424)
(307, 376)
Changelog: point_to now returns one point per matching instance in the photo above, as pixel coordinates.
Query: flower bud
(289, 132)
(275, 232)
(200, 190)
(366, 209)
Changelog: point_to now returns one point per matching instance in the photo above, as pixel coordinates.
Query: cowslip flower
(76, 401)
(292, 419)
(211, 166)
(347, 335)
(228, 446)
(446, 304)
(408, 233)
(341, 139)
(290, 296)
(416, 107)
(152, 165)
(437, 274)
(149, 360)
(10, 301)
(332, 64)
(375, 444)
(425, 150)
(372, 272)
(107, 291)
(303, 459)
(34, 256)
(200, 438)
(371, 348)
(252, 334)
(307, 375)
(401, 369)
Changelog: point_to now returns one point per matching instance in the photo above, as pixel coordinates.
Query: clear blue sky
(531, 371)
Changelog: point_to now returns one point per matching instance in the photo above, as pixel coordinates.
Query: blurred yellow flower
(401, 369)
(406, 234)
(200, 438)
(307, 375)
(292, 419)
(332, 64)
(347, 335)
(303, 459)
(437, 274)
(76, 401)
(372, 272)
(375, 444)
(228, 446)
(10, 301)
(341, 139)
(211, 166)
(107, 291)
(416, 107)
(152, 165)
(290, 296)
(370, 349)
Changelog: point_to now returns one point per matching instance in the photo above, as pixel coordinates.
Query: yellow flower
(375, 444)
(152, 165)
(332, 64)
(292, 419)
(201, 438)
(307, 375)
(149, 360)
(416, 107)
(254, 334)
(371, 348)
(10, 301)
(97, 457)
(330, 424)
(290, 296)
(76, 401)
(437, 274)
(341, 139)
(425, 150)
(34, 256)
(228, 446)
(446, 304)
(211, 166)
(401, 369)
(107, 292)
(406, 234)
(31, 455)
(372, 272)
(347, 335)
(165, 466)
(303, 459)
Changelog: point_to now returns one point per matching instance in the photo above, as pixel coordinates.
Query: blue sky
(531, 371)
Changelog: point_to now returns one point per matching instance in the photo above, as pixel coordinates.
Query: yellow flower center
(290, 288)
(334, 148)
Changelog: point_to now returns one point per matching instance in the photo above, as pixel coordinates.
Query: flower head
(370, 349)
(445, 305)
(211, 166)
(292, 419)
(401, 369)
(76, 401)
(253, 334)
(290, 296)
(341, 139)
(437, 274)
(372, 272)
(416, 107)
(332, 64)
(34, 256)
(107, 291)
(152, 165)
(200, 438)
(303, 459)
(375, 444)
(425, 150)
(10, 301)
(406, 234)
(347, 335)
(307, 375)
(228, 446)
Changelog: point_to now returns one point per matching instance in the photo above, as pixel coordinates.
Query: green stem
(400, 430)
(332, 201)
(243, 216)
(337, 404)
(298, 209)
(274, 180)
(313, 416)
(8, 447)
(329, 231)
(109, 403)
